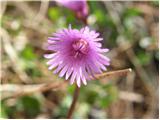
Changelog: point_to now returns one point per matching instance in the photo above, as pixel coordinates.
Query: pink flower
(79, 7)
(77, 54)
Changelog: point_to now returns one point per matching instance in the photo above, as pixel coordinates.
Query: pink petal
(53, 38)
(53, 66)
(59, 67)
(102, 50)
(69, 72)
(84, 80)
(73, 77)
(98, 39)
(50, 55)
(86, 30)
(78, 80)
(63, 71)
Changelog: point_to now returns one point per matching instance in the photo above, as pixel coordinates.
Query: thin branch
(72, 107)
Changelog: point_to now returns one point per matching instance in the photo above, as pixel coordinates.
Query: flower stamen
(80, 47)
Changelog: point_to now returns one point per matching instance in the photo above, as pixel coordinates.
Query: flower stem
(75, 97)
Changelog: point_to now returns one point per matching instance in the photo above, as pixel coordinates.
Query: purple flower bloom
(80, 7)
(77, 54)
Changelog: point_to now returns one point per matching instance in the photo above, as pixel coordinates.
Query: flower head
(79, 7)
(77, 54)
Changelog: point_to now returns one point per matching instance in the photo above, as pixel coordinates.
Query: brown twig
(75, 97)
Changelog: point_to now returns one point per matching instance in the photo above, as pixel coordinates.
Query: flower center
(80, 47)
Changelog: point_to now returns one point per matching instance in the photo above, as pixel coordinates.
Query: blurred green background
(130, 31)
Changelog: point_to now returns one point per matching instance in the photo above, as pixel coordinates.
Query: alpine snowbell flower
(78, 6)
(77, 54)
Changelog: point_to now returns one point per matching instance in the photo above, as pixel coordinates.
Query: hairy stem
(72, 107)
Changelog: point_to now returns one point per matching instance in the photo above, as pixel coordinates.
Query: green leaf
(82, 110)
(144, 57)
(130, 12)
(3, 113)
(62, 109)
(30, 106)
(157, 55)
(28, 62)
(110, 95)
(54, 13)
(28, 53)
(91, 97)
(71, 89)
(7, 111)
(34, 72)
(101, 18)
(155, 3)
(70, 18)
(60, 112)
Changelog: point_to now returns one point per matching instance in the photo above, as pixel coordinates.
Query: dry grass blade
(113, 73)
(131, 96)
(13, 56)
(16, 90)
(21, 90)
